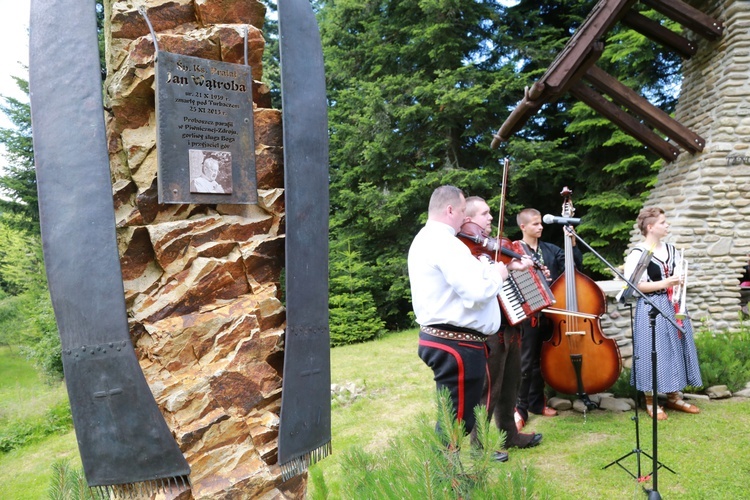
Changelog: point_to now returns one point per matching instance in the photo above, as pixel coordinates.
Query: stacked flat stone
(201, 281)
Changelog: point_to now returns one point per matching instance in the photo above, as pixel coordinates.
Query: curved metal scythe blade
(305, 427)
(122, 436)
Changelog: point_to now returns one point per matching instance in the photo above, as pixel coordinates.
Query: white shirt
(449, 285)
(203, 185)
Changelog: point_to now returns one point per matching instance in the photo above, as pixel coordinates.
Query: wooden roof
(574, 71)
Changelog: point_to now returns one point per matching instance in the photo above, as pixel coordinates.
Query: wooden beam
(660, 34)
(690, 17)
(638, 105)
(524, 110)
(593, 29)
(625, 121)
(539, 94)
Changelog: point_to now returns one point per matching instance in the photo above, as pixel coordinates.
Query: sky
(14, 40)
(14, 47)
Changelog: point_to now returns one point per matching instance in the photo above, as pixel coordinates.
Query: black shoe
(525, 441)
(500, 456)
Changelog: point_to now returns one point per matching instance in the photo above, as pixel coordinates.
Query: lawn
(25, 396)
(709, 452)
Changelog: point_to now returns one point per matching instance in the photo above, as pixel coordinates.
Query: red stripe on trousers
(461, 375)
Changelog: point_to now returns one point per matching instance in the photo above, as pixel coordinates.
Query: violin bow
(501, 214)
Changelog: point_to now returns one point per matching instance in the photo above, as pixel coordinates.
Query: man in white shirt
(454, 296)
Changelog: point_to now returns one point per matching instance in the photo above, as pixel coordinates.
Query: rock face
(201, 281)
(707, 195)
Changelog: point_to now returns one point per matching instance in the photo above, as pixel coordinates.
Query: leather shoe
(524, 440)
(520, 422)
(500, 456)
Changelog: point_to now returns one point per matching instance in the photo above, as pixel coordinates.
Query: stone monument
(202, 282)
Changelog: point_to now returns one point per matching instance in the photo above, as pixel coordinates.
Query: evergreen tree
(271, 60)
(417, 87)
(568, 144)
(18, 181)
(410, 87)
(353, 316)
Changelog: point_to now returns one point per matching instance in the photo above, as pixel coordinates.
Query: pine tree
(353, 316)
(18, 182)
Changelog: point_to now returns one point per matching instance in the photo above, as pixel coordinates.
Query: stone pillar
(201, 281)
(707, 195)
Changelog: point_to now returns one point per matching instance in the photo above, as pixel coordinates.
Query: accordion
(523, 294)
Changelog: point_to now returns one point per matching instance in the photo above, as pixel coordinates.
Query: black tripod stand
(653, 313)
(637, 450)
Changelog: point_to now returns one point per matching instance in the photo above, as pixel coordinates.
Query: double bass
(578, 359)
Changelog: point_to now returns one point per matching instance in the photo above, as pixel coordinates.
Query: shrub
(622, 387)
(428, 464)
(724, 357)
(353, 315)
(17, 433)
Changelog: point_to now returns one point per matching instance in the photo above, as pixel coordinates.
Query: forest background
(416, 90)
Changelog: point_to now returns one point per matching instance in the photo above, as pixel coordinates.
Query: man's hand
(520, 265)
(571, 233)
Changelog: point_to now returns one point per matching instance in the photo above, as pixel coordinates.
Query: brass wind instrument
(680, 289)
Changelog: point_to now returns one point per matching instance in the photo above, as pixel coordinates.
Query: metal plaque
(204, 114)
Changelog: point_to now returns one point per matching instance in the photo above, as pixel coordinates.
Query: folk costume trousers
(461, 367)
(534, 331)
(504, 367)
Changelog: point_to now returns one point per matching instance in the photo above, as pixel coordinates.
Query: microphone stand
(653, 494)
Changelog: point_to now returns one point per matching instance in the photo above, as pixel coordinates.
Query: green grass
(708, 452)
(23, 392)
(26, 471)
(30, 409)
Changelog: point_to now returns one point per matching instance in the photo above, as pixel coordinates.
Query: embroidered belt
(437, 332)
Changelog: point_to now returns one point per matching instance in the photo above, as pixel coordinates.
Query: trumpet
(680, 289)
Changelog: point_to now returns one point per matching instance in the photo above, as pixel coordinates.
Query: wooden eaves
(577, 63)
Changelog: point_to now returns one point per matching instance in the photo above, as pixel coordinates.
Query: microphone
(551, 219)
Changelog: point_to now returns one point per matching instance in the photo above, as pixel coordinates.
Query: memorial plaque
(204, 114)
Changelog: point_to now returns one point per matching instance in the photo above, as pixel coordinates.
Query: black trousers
(504, 368)
(534, 331)
(459, 366)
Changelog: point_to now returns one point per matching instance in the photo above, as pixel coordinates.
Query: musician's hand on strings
(547, 274)
(571, 233)
(501, 269)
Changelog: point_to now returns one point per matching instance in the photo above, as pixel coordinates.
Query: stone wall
(707, 195)
(201, 281)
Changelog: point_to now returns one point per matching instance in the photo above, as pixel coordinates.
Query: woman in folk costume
(676, 356)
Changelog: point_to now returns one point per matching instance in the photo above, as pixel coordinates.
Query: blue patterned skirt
(676, 356)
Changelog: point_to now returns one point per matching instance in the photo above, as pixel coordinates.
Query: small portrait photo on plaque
(210, 171)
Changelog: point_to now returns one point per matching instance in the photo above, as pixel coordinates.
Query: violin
(474, 237)
(578, 359)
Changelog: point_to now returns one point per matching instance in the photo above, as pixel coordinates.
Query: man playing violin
(454, 296)
(537, 329)
(504, 361)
